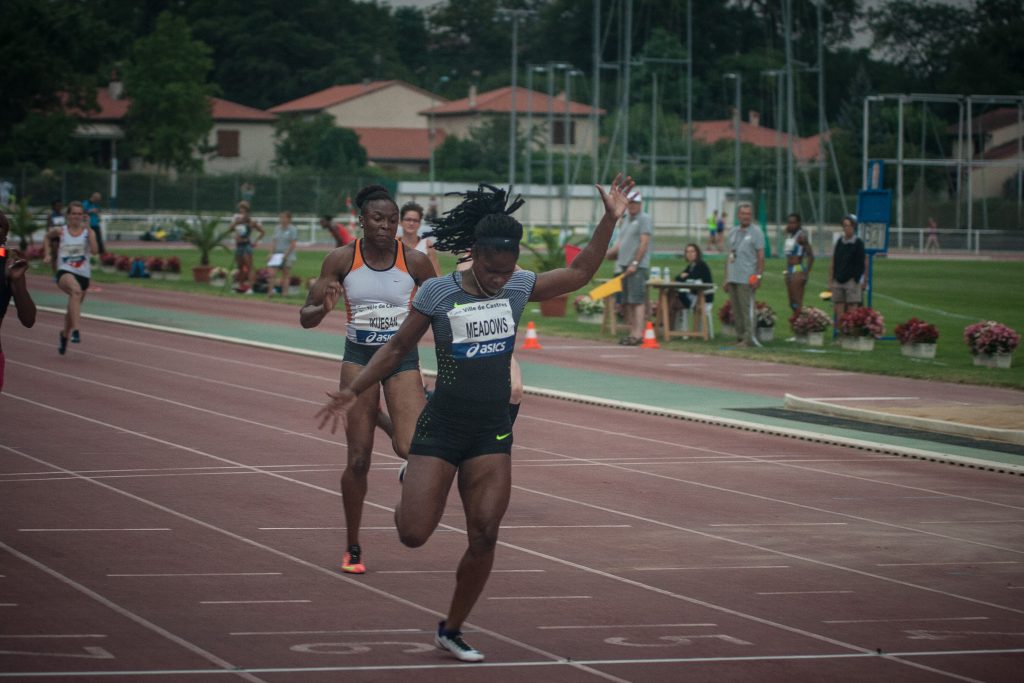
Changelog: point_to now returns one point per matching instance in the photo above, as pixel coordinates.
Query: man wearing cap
(632, 259)
(744, 267)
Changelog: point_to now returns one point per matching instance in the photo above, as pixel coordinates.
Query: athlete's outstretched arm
(383, 363)
(586, 263)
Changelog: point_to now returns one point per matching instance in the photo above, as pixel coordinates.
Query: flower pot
(592, 318)
(108, 269)
(858, 343)
(994, 360)
(918, 350)
(156, 274)
(815, 338)
(555, 307)
(765, 333)
(172, 276)
(294, 290)
(728, 330)
(201, 273)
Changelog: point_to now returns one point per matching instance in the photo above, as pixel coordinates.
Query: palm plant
(550, 256)
(205, 234)
(23, 223)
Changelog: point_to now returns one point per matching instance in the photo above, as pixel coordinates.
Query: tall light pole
(778, 75)
(735, 75)
(569, 140)
(515, 15)
(432, 132)
(549, 177)
(528, 161)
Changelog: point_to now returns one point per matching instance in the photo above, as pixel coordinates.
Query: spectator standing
(744, 268)
(244, 226)
(93, 210)
(632, 257)
(409, 233)
(799, 259)
(720, 230)
(248, 191)
(282, 253)
(712, 229)
(846, 272)
(13, 285)
(933, 236)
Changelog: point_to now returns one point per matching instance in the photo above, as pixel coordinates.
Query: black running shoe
(75, 337)
(63, 348)
(452, 642)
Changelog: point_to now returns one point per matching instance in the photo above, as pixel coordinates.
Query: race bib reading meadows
(482, 329)
(375, 324)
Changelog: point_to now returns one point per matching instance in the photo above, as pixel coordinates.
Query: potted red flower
(172, 268)
(155, 267)
(859, 327)
(991, 343)
(809, 325)
(917, 338)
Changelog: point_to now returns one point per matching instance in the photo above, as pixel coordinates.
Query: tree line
(174, 54)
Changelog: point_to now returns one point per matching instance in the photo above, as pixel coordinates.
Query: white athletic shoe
(453, 642)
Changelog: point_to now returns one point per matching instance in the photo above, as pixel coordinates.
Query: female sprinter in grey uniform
(465, 429)
(379, 277)
(797, 248)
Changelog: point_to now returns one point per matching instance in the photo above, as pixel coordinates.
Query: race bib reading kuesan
(375, 324)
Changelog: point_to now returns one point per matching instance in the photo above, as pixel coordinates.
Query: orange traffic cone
(531, 341)
(649, 340)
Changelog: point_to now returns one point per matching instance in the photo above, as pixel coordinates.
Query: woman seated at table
(696, 270)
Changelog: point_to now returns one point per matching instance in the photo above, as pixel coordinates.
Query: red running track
(168, 511)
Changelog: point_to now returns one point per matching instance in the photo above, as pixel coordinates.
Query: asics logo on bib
(374, 337)
(485, 349)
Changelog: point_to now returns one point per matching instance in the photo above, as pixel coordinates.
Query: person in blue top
(92, 210)
(465, 430)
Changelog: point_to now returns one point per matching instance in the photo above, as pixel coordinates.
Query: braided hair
(482, 218)
(372, 193)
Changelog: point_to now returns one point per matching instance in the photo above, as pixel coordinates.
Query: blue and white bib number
(375, 324)
(482, 329)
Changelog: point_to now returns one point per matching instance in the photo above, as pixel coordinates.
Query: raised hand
(616, 199)
(16, 265)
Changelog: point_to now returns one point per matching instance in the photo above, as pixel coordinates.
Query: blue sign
(874, 214)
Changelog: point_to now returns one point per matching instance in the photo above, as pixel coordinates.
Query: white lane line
(977, 521)
(61, 530)
(766, 374)
(449, 571)
(803, 593)
(56, 635)
(251, 602)
(968, 563)
(543, 597)
(8, 604)
(909, 619)
(124, 612)
(684, 365)
(783, 524)
(832, 374)
(328, 633)
(565, 562)
(325, 528)
(197, 574)
(866, 398)
(616, 626)
(711, 568)
(324, 571)
(566, 526)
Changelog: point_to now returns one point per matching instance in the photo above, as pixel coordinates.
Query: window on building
(227, 143)
(558, 133)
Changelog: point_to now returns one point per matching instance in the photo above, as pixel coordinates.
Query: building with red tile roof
(385, 115)
(242, 137)
(459, 117)
(805, 150)
(998, 138)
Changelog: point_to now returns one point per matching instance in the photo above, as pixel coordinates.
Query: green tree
(317, 143)
(166, 78)
(47, 67)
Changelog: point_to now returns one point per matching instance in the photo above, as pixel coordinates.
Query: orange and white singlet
(377, 301)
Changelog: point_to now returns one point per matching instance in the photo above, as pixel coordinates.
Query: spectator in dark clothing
(846, 272)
